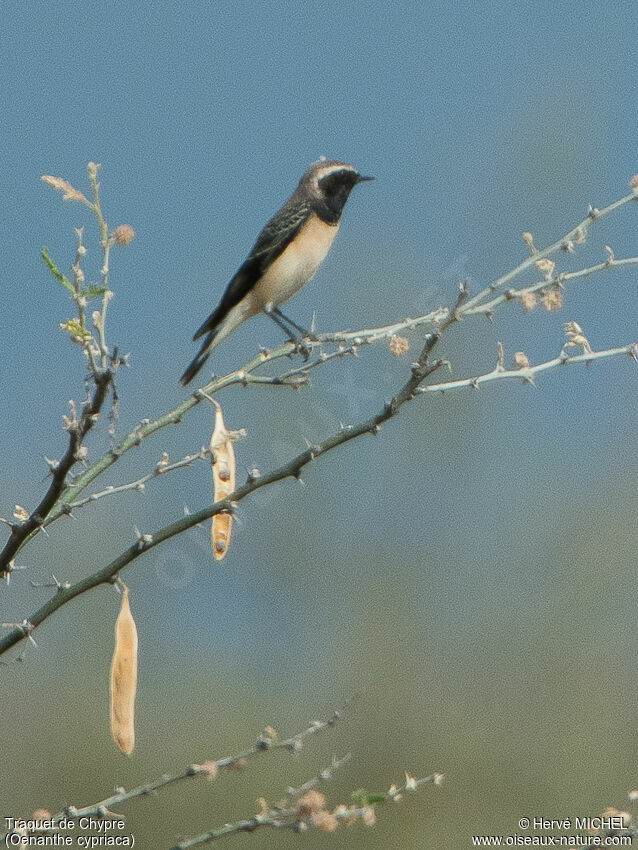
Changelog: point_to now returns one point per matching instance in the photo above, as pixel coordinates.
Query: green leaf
(55, 271)
(75, 331)
(364, 798)
(94, 291)
(379, 797)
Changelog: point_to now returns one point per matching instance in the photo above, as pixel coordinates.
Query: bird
(285, 256)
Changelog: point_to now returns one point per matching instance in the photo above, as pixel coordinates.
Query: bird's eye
(338, 181)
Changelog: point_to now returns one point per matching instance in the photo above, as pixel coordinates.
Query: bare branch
(105, 242)
(78, 430)
(239, 376)
(103, 376)
(559, 280)
(565, 243)
(267, 742)
(245, 375)
(161, 468)
(527, 374)
(292, 469)
(310, 811)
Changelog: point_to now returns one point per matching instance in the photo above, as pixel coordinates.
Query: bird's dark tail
(200, 359)
(218, 329)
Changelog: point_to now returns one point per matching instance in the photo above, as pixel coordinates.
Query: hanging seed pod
(223, 466)
(124, 678)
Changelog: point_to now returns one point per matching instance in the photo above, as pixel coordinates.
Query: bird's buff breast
(292, 270)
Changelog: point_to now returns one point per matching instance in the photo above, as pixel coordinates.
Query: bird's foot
(303, 349)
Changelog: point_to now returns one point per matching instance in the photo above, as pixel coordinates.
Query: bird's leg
(280, 320)
(302, 331)
(272, 314)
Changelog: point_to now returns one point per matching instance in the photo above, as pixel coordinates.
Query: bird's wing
(271, 242)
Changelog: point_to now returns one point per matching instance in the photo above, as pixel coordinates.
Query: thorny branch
(576, 236)
(60, 498)
(302, 808)
(526, 373)
(102, 376)
(241, 376)
(420, 370)
(555, 282)
(348, 341)
(162, 467)
(309, 811)
(293, 468)
(78, 430)
(267, 742)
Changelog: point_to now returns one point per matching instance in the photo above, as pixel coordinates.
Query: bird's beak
(362, 179)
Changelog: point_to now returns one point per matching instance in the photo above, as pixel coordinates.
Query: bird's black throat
(335, 191)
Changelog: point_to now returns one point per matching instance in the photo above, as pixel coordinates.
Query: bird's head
(328, 184)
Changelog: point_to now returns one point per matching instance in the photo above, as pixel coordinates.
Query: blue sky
(478, 120)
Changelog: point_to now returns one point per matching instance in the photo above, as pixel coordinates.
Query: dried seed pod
(223, 466)
(124, 678)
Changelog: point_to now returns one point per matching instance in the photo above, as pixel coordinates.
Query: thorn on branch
(21, 514)
(59, 585)
(143, 540)
(52, 464)
(500, 363)
(27, 628)
(11, 568)
(253, 475)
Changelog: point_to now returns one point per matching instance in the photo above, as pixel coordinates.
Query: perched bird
(286, 255)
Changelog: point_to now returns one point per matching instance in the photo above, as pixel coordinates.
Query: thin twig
(298, 377)
(241, 377)
(87, 340)
(292, 469)
(286, 815)
(303, 813)
(559, 280)
(77, 430)
(576, 234)
(105, 242)
(145, 542)
(161, 468)
(103, 379)
(528, 373)
(267, 742)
